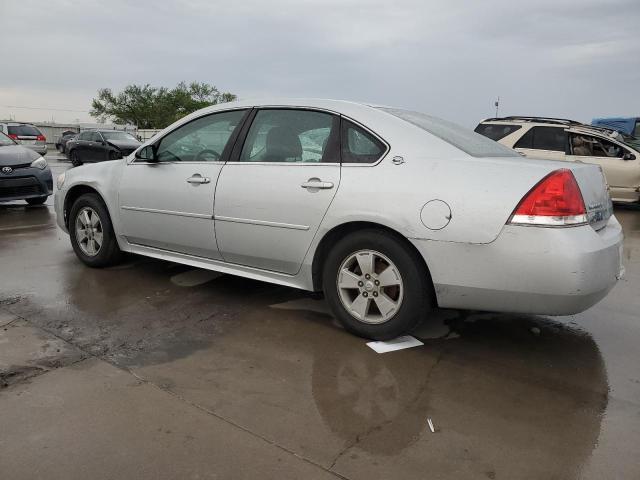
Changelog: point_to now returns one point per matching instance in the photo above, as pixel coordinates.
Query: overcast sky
(569, 58)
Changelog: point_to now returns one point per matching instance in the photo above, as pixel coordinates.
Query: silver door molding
(261, 222)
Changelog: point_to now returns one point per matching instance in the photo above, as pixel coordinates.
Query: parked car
(61, 144)
(628, 127)
(24, 174)
(389, 212)
(26, 135)
(100, 145)
(560, 139)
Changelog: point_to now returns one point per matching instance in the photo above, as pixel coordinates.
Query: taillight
(555, 201)
(41, 138)
(13, 136)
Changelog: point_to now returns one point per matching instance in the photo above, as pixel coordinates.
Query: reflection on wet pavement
(511, 396)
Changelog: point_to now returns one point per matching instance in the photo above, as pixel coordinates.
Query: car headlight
(60, 180)
(40, 163)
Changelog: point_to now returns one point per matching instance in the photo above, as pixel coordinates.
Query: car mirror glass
(147, 154)
(629, 156)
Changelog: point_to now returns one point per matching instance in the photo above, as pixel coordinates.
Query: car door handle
(198, 179)
(316, 183)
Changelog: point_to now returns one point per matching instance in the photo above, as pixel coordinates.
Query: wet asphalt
(156, 370)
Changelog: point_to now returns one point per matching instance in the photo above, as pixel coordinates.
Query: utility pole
(497, 105)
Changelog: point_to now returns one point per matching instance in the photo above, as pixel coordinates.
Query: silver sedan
(389, 212)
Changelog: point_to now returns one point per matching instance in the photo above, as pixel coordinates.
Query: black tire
(417, 299)
(36, 200)
(109, 253)
(75, 161)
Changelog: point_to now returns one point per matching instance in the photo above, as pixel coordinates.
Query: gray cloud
(574, 58)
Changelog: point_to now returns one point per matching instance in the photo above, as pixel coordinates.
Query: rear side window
(359, 146)
(496, 131)
(291, 136)
(23, 130)
(463, 139)
(544, 138)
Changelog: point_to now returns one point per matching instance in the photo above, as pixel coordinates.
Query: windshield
(5, 141)
(466, 140)
(115, 135)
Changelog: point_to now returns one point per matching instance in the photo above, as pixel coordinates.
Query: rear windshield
(466, 140)
(23, 130)
(496, 131)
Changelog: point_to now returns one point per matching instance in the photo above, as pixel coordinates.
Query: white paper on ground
(399, 343)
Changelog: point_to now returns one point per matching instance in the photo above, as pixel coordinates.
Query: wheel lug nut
(375, 294)
(377, 282)
(367, 276)
(360, 284)
(365, 294)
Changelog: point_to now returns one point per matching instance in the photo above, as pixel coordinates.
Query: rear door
(168, 204)
(272, 195)
(545, 143)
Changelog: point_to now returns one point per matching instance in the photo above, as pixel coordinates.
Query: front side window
(95, 137)
(281, 135)
(544, 138)
(359, 146)
(588, 146)
(201, 140)
(84, 136)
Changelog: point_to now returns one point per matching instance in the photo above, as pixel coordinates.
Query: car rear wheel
(376, 285)
(75, 161)
(37, 200)
(91, 232)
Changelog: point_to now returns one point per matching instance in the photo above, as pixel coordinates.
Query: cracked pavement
(155, 370)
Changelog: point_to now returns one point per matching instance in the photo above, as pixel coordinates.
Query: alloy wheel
(370, 286)
(89, 233)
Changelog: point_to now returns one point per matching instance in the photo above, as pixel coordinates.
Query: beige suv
(559, 139)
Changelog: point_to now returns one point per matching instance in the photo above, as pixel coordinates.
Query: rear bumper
(547, 271)
(26, 183)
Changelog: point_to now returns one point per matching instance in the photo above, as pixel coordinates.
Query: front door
(168, 203)
(272, 195)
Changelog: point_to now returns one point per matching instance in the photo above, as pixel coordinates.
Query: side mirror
(629, 156)
(147, 154)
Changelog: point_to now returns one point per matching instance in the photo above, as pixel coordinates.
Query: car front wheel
(91, 232)
(376, 285)
(75, 160)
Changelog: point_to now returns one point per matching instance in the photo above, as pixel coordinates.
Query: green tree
(155, 107)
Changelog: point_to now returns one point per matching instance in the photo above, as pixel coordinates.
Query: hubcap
(370, 286)
(89, 231)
